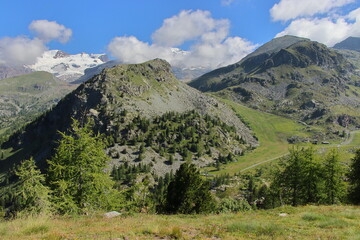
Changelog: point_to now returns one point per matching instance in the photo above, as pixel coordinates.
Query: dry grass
(309, 222)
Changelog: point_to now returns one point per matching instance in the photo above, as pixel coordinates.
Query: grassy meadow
(307, 222)
(272, 132)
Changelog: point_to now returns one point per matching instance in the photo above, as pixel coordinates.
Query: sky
(211, 33)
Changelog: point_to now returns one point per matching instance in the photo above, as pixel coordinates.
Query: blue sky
(134, 31)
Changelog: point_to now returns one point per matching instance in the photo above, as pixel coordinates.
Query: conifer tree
(76, 172)
(354, 177)
(31, 195)
(188, 192)
(333, 173)
(300, 180)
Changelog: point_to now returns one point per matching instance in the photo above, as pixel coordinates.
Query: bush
(227, 205)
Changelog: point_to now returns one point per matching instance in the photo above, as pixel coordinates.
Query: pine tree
(31, 195)
(76, 173)
(188, 192)
(354, 177)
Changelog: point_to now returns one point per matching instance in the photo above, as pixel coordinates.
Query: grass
(272, 132)
(306, 222)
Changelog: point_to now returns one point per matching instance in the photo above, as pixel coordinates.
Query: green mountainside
(24, 97)
(303, 80)
(147, 115)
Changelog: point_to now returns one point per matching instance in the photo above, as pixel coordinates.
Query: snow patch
(65, 66)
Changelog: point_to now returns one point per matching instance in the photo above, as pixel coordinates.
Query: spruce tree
(188, 192)
(354, 177)
(76, 172)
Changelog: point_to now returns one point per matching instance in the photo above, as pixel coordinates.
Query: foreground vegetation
(306, 222)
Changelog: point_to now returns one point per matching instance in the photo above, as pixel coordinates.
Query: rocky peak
(61, 54)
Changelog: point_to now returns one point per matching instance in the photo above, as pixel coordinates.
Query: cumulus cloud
(20, 50)
(50, 30)
(210, 45)
(132, 50)
(188, 25)
(325, 30)
(292, 9)
(23, 50)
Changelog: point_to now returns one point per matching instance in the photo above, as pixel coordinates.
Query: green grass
(272, 132)
(306, 222)
(27, 81)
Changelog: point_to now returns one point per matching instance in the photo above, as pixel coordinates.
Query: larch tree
(32, 196)
(76, 173)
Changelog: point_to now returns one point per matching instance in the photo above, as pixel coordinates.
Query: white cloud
(20, 50)
(292, 9)
(354, 16)
(325, 30)
(132, 50)
(188, 25)
(209, 55)
(210, 45)
(50, 30)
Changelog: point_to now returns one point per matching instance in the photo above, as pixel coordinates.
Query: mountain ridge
(304, 80)
(119, 96)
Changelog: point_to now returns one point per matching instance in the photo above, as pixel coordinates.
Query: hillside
(292, 77)
(133, 104)
(351, 43)
(24, 97)
(13, 71)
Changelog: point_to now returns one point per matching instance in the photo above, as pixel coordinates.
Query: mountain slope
(24, 97)
(126, 99)
(13, 71)
(304, 80)
(351, 43)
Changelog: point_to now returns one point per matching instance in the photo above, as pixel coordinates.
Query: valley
(234, 140)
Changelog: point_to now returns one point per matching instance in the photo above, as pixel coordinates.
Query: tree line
(75, 183)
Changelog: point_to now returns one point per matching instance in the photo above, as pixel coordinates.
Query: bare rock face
(345, 120)
(61, 54)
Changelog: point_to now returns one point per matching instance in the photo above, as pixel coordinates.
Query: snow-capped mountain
(65, 66)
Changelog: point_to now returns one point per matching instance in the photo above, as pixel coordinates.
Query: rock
(112, 214)
(283, 214)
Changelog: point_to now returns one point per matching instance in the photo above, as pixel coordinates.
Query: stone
(112, 214)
